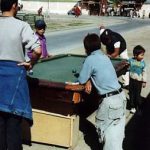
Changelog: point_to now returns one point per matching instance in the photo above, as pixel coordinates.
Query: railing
(29, 17)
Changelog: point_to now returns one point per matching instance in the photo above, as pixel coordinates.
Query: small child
(137, 77)
(40, 27)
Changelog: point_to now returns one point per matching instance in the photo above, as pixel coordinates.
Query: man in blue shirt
(110, 116)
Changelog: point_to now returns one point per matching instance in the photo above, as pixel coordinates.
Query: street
(60, 42)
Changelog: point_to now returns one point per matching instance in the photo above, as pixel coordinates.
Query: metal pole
(48, 5)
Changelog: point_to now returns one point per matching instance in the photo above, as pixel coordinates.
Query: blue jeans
(110, 121)
(14, 92)
(10, 132)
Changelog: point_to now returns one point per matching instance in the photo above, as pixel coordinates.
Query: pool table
(52, 84)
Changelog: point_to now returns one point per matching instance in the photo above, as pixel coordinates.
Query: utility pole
(48, 4)
(47, 11)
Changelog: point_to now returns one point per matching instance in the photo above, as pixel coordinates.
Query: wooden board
(50, 128)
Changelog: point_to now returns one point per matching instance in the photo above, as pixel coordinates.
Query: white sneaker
(133, 110)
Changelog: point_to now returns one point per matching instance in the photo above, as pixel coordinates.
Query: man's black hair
(106, 36)
(6, 5)
(138, 50)
(91, 43)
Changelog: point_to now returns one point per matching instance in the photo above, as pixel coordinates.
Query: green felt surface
(61, 68)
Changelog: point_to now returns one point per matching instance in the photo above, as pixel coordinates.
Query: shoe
(133, 110)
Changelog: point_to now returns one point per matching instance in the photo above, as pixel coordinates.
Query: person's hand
(144, 84)
(27, 65)
(109, 55)
(102, 27)
(88, 87)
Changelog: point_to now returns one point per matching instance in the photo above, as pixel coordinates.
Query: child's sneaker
(133, 110)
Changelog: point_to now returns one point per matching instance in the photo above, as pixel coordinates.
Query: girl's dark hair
(138, 50)
(91, 43)
(6, 5)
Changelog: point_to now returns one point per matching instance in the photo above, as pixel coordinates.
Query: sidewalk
(133, 38)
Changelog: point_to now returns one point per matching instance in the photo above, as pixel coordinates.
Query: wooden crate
(55, 129)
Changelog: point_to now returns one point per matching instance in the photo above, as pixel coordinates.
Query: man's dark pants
(10, 132)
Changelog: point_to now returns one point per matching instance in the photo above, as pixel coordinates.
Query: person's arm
(85, 75)
(116, 50)
(101, 29)
(36, 53)
(88, 87)
(31, 42)
(85, 72)
(115, 53)
(144, 84)
(144, 77)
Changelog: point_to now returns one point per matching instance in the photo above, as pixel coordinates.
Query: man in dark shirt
(114, 42)
(115, 47)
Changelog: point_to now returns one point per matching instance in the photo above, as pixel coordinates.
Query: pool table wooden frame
(57, 107)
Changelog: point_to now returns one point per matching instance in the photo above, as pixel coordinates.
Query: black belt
(111, 93)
